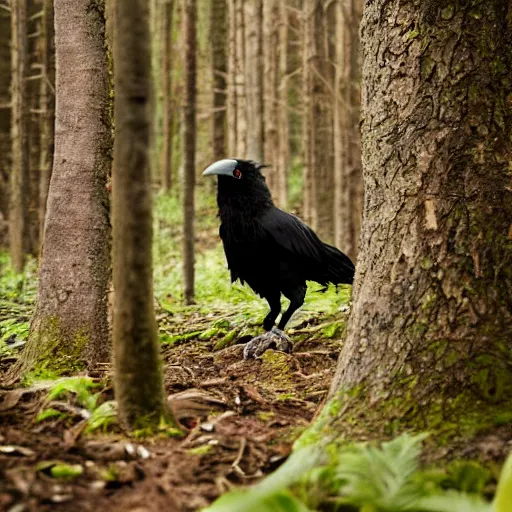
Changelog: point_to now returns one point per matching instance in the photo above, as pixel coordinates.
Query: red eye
(237, 174)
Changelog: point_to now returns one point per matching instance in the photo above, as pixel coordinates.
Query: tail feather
(337, 267)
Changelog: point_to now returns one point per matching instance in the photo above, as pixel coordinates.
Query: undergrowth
(366, 477)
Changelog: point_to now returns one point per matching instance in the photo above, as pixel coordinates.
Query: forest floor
(240, 419)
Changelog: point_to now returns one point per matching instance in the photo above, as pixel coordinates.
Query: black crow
(272, 251)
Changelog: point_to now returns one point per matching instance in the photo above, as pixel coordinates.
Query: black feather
(273, 251)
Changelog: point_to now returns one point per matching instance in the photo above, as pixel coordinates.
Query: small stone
(143, 453)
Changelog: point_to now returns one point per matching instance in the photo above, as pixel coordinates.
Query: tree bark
(69, 327)
(167, 59)
(430, 335)
(5, 123)
(46, 106)
(270, 81)
(232, 110)
(138, 374)
(283, 130)
(189, 149)
(218, 31)
(240, 89)
(18, 209)
(254, 79)
(348, 193)
(308, 119)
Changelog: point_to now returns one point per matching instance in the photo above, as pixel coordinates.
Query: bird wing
(291, 234)
(324, 263)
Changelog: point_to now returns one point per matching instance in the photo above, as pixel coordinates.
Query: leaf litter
(239, 417)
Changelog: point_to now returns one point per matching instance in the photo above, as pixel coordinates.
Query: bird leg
(274, 337)
(275, 308)
(296, 301)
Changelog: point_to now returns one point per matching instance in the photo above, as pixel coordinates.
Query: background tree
(218, 31)
(429, 337)
(167, 58)
(348, 193)
(5, 118)
(69, 327)
(254, 78)
(283, 98)
(189, 148)
(46, 108)
(317, 121)
(270, 70)
(18, 209)
(138, 375)
(232, 108)
(240, 78)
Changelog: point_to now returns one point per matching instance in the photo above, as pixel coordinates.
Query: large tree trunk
(69, 327)
(138, 374)
(430, 335)
(19, 196)
(189, 149)
(167, 59)
(5, 122)
(46, 106)
(254, 79)
(218, 32)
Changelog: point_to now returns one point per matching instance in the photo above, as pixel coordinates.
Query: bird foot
(276, 338)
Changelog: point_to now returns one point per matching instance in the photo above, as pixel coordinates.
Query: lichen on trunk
(429, 337)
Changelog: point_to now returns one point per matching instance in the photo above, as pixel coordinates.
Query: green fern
(102, 416)
(381, 477)
(79, 386)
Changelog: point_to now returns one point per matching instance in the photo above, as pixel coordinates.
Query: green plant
(367, 478)
(81, 388)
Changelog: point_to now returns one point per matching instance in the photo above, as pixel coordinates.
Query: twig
(240, 454)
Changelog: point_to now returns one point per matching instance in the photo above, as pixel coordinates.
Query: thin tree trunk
(138, 374)
(69, 328)
(218, 31)
(430, 335)
(323, 78)
(283, 152)
(348, 176)
(342, 214)
(241, 99)
(46, 105)
(18, 210)
(254, 79)
(354, 178)
(189, 149)
(232, 112)
(270, 70)
(309, 126)
(167, 59)
(5, 123)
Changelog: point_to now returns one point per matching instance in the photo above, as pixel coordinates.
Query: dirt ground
(241, 418)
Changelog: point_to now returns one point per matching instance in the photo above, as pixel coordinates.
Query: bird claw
(276, 338)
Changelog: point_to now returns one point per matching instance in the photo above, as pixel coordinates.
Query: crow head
(239, 181)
